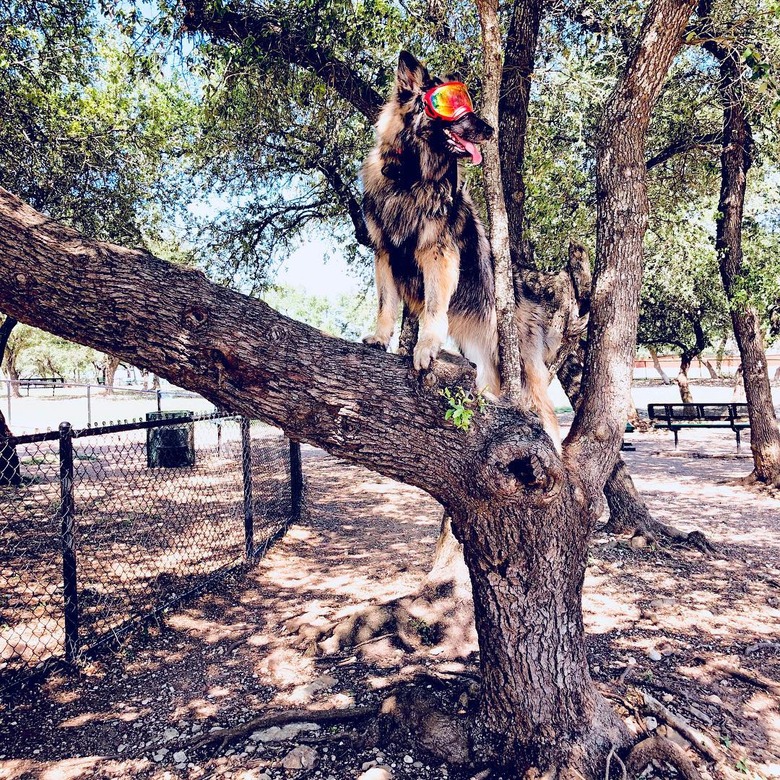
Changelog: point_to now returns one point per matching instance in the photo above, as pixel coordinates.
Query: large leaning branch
(353, 401)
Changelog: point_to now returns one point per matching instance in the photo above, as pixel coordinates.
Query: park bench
(677, 416)
(52, 382)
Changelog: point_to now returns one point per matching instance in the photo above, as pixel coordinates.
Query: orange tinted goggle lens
(448, 101)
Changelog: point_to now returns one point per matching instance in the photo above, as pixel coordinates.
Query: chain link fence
(102, 527)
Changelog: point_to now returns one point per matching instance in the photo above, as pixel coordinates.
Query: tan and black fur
(431, 249)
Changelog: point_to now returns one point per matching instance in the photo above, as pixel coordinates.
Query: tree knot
(516, 466)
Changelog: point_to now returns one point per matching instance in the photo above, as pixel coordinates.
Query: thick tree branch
(355, 402)
(274, 37)
(622, 215)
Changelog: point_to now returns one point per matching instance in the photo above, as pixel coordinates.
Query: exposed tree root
(629, 514)
(697, 738)
(753, 678)
(226, 736)
(662, 751)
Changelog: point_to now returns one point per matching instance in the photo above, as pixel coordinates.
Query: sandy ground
(671, 622)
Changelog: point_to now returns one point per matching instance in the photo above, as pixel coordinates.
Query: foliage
(33, 352)
(90, 129)
(347, 316)
(461, 406)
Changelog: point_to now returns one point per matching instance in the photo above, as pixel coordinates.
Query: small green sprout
(462, 405)
(741, 766)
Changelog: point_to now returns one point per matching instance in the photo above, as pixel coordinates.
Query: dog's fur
(431, 250)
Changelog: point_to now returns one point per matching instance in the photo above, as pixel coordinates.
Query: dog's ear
(412, 74)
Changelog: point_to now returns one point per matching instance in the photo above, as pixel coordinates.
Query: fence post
(246, 470)
(67, 528)
(8, 392)
(89, 406)
(296, 480)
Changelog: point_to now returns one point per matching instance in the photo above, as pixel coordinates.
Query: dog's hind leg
(440, 266)
(478, 341)
(387, 293)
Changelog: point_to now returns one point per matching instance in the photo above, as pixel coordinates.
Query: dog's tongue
(472, 149)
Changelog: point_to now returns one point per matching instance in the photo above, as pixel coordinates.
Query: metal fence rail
(101, 527)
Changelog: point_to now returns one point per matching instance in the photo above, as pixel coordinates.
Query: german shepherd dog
(431, 249)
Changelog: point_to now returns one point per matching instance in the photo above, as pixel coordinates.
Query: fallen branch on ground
(698, 739)
(754, 678)
(280, 719)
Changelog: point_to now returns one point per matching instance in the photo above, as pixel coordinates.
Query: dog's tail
(531, 332)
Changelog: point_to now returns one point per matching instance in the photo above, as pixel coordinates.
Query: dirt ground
(700, 634)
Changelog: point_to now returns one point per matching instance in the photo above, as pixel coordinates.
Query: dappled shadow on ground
(669, 621)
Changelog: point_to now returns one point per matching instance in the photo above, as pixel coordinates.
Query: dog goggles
(448, 101)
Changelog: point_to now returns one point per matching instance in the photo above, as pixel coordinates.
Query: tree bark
(657, 365)
(509, 355)
(736, 159)
(5, 332)
(110, 365)
(521, 42)
(10, 472)
(682, 381)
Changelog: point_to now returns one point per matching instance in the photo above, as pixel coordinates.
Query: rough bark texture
(510, 368)
(10, 473)
(521, 516)
(736, 159)
(521, 41)
(622, 214)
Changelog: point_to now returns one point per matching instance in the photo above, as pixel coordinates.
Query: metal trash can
(172, 446)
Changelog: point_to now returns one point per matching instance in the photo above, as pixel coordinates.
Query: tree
(522, 514)
(736, 160)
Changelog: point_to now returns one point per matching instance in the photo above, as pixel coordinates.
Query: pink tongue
(472, 149)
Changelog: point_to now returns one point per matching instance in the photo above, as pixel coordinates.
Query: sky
(318, 267)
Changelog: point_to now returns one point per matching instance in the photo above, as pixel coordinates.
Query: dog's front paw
(425, 351)
(375, 343)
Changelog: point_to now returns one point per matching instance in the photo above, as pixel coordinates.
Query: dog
(431, 249)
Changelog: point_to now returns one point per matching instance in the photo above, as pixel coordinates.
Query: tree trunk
(621, 222)
(657, 365)
(561, 721)
(111, 365)
(13, 372)
(521, 42)
(5, 331)
(509, 354)
(736, 159)
(682, 380)
(10, 472)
